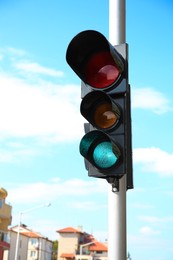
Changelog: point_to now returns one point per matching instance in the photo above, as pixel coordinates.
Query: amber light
(101, 70)
(104, 117)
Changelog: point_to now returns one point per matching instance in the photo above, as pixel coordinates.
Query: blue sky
(41, 126)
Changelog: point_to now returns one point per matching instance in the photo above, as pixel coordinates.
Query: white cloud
(15, 52)
(170, 193)
(34, 67)
(47, 227)
(142, 206)
(34, 111)
(149, 231)
(40, 191)
(87, 205)
(154, 242)
(1, 56)
(154, 160)
(154, 219)
(17, 155)
(150, 99)
(46, 111)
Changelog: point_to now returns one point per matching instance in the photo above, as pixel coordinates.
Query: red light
(101, 70)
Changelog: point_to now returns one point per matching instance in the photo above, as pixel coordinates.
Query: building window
(33, 253)
(1, 236)
(1, 202)
(34, 241)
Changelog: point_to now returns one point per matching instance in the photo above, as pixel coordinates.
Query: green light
(99, 150)
(103, 155)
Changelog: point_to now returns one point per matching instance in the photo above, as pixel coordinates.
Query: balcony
(5, 217)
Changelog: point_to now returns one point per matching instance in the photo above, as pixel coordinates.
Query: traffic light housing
(105, 92)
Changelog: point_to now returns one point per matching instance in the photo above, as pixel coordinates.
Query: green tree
(55, 250)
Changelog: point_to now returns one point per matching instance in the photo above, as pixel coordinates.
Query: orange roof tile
(69, 230)
(71, 256)
(31, 234)
(98, 246)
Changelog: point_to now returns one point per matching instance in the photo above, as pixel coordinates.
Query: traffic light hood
(94, 59)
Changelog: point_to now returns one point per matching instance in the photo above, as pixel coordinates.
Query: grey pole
(18, 236)
(117, 21)
(117, 200)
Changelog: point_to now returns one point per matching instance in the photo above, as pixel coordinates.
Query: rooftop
(69, 230)
(98, 246)
(68, 256)
(31, 234)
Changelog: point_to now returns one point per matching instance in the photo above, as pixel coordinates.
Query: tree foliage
(54, 250)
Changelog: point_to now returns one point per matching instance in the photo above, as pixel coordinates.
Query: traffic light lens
(101, 70)
(104, 117)
(103, 155)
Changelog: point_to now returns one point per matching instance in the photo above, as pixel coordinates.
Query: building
(78, 245)
(32, 245)
(5, 221)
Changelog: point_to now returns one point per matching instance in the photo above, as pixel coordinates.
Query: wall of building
(33, 248)
(48, 247)
(41, 247)
(5, 217)
(29, 247)
(68, 243)
(23, 246)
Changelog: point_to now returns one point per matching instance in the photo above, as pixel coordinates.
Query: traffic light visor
(94, 60)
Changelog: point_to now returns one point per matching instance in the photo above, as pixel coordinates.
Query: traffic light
(105, 93)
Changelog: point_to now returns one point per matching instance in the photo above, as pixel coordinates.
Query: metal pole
(81, 247)
(117, 21)
(117, 200)
(117, 222)
(18, 236)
